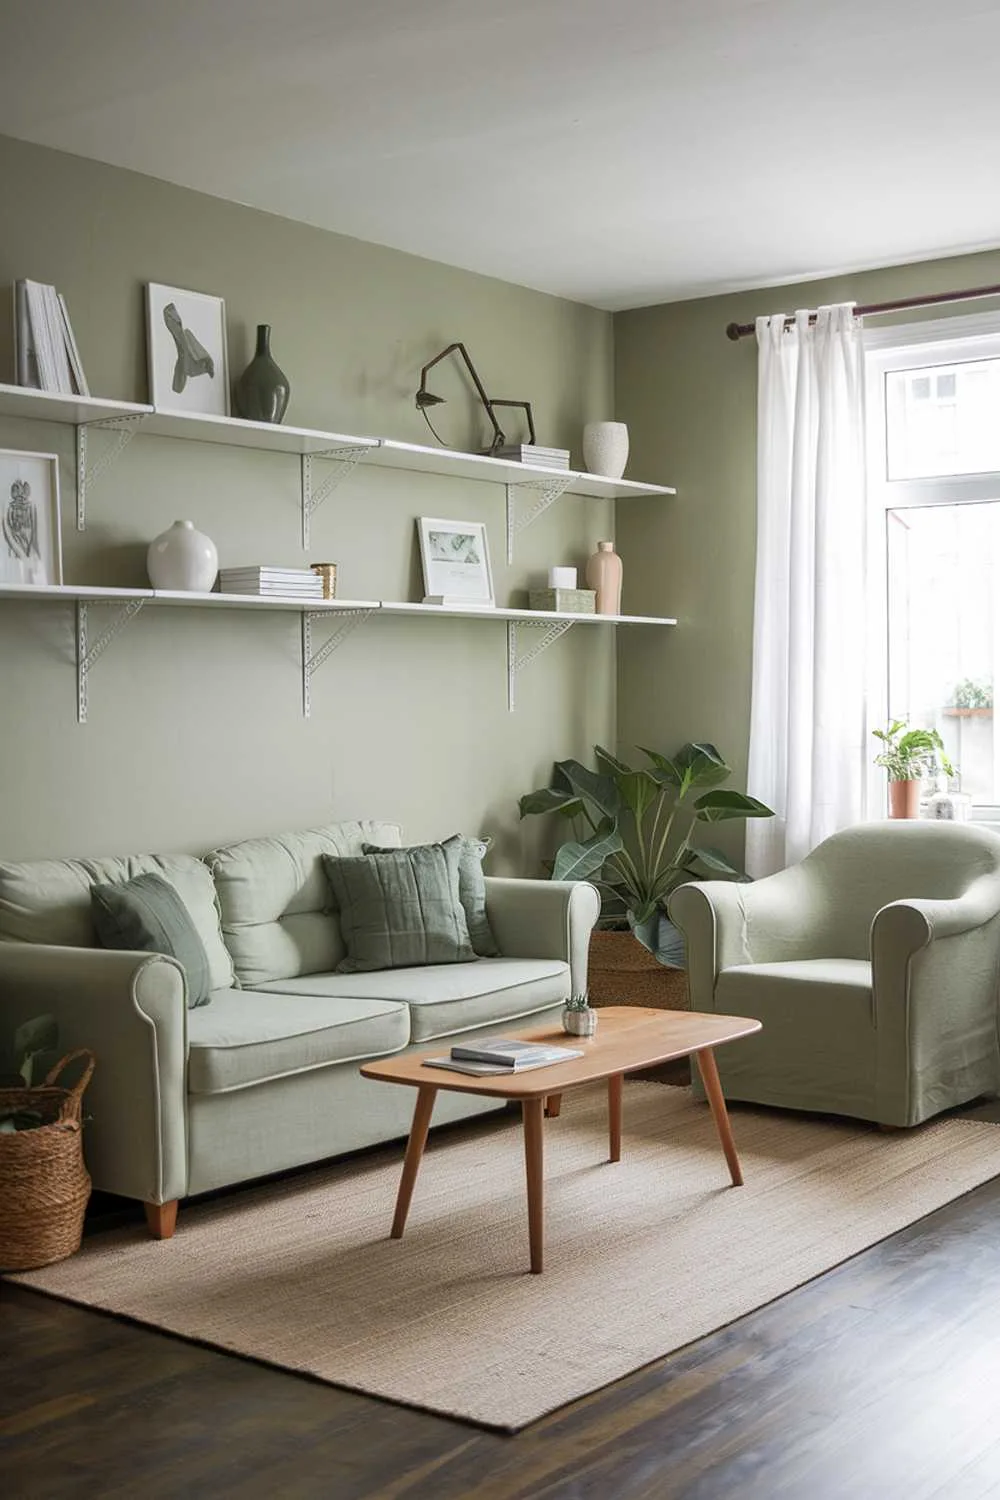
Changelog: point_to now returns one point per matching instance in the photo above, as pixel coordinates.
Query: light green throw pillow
(400, 909)
(471, 889)
(146, 915)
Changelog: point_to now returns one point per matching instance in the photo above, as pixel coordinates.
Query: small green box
(568, 601)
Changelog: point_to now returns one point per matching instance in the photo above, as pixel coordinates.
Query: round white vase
(605, 448)
(183, 559)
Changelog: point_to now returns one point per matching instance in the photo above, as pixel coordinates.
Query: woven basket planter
(44, 1186)
(621, 971)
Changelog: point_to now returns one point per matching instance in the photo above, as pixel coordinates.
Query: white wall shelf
(347, 613)
(540, 486)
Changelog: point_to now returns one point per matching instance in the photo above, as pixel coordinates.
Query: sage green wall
(688, 395)
(195, 732)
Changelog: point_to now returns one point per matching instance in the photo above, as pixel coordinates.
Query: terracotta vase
(604, 575)
(904, 799)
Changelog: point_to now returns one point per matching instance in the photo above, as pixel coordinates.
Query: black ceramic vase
(262, 391)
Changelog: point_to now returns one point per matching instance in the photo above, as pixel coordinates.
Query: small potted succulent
(578, 1018)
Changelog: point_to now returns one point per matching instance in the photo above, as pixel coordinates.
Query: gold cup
(328, 573)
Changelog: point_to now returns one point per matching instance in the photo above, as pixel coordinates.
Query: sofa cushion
(400, 908)
(471, 890)
(244, 1037)
(146, 915)
(48, 901)
(278, 916)
(450, 998)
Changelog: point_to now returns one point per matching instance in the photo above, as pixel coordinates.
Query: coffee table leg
(422, 1112)
(553, 1105)
(616, 1083)
(713, 1088)
(533, 1117)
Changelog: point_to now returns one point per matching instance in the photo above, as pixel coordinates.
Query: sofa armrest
(129, 1008)
(544, 919)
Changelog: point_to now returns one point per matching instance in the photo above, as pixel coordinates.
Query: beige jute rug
(641, 1257)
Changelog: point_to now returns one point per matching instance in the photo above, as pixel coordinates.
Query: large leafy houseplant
(635, 831)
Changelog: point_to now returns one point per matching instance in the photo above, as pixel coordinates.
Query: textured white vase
(605, 448)
(183, 559)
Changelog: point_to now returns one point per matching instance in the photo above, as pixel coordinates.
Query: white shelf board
(416, 456)
(257, 601)
(447, 610)
(87, 593)
(50, 406)
(23, 401)
(238, 433)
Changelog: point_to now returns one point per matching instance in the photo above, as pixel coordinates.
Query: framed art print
(30, 538)
(186, 349)
(456, 562)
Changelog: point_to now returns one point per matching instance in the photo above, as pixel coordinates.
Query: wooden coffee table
(626, 1038)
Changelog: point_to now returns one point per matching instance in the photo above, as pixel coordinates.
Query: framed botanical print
(186, 349)
(30, 537)
(456, 562)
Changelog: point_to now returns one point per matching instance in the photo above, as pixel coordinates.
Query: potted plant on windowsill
(909, 755)
(632, 834)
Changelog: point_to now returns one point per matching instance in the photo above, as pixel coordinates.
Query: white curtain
(808, 756)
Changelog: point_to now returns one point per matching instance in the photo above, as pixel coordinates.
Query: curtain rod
(736, 331)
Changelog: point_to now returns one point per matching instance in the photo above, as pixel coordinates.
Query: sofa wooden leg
(161, 1219)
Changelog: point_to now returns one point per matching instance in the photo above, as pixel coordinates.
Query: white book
(510, 1052)
(76, 364)
(449, 601)
(57, 339)
(25, 359)
(38, 322)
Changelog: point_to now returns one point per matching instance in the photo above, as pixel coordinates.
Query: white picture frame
(186, 351)
(30, 527)
(456, 561)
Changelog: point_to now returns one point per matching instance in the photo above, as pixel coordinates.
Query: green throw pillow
(471, 888)
(400, 908)
(146, 915)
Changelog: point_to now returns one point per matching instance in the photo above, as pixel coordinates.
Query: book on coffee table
(502, 1055)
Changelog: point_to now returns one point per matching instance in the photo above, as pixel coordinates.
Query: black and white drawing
(30, 548)
(186, 337)
(456, 562)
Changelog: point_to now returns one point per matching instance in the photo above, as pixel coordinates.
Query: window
(934, 482)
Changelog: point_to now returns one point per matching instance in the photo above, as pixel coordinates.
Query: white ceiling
(619, 152)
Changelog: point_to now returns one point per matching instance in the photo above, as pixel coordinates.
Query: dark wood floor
(881, 1379)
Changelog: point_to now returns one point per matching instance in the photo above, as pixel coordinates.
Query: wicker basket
(44, 1186)
(621, 971)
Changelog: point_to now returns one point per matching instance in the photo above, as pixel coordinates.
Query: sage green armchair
(873, 966)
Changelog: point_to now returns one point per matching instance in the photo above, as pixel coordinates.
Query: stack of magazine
(284, 583)
(495, 1055)
(45, 354)
(534, 454)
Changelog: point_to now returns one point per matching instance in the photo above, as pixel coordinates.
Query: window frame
(906, 347)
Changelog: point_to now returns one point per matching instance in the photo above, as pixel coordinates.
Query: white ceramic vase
(605, 448)
(183, 559)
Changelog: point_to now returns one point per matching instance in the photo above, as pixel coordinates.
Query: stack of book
(286, 583)
(45, 353)
(501, 1055)
(531, 453)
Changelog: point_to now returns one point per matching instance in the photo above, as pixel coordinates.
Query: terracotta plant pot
(904, 799)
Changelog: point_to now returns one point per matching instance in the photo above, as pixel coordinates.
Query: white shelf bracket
(516, 663)
(124, 429)
(545, 491)
(348, 621)
(86, 655)
(345, 460)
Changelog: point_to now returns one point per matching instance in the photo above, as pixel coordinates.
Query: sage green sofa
(265, 1076)
(873, 966)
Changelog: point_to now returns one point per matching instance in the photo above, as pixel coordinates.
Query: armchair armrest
(544, 919)
(130, 1009)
